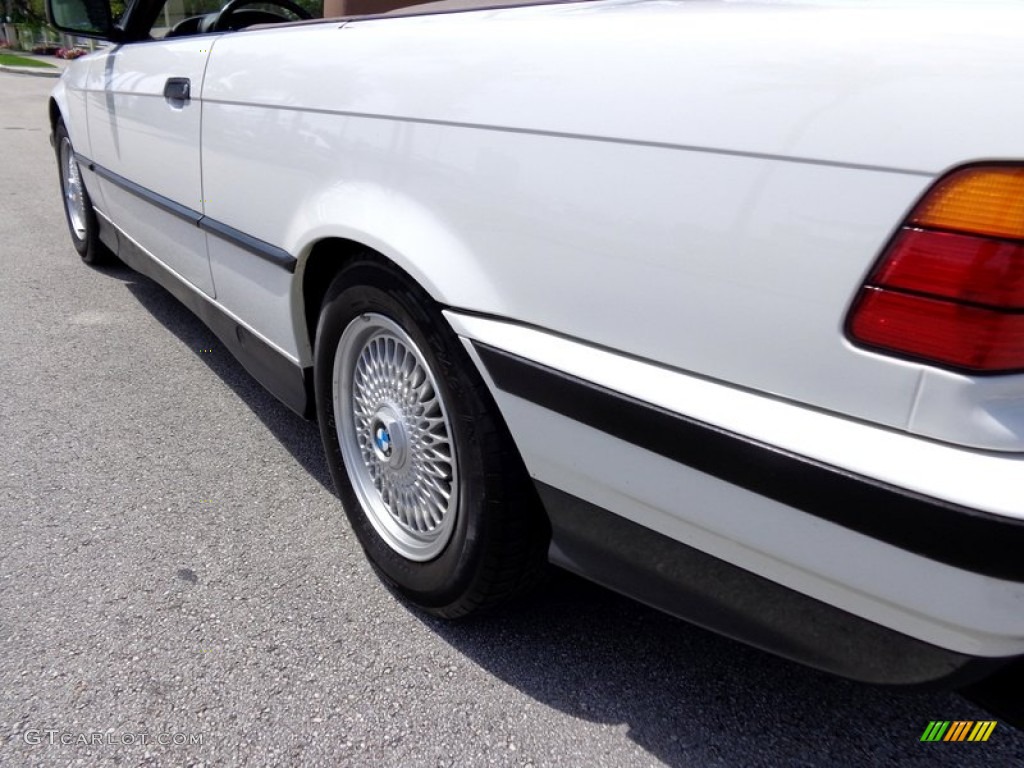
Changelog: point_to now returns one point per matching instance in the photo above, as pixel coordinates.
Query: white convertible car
(719, 304)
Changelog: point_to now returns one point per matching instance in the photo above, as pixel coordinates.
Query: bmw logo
(383, 440)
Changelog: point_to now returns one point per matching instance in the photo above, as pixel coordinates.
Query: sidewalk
(58, 64)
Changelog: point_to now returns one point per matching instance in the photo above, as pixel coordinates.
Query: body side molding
(277, 256)
(965, 538)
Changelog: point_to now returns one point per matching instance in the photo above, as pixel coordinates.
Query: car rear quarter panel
(703, 185)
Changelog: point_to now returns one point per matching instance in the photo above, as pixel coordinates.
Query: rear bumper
(711, 593)
(922, 581)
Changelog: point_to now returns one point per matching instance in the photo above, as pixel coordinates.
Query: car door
(144, 116)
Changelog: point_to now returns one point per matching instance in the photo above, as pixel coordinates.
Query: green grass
(10, 60)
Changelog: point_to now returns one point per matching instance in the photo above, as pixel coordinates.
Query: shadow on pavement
(684, 695)
(297, 435)
(692, 698)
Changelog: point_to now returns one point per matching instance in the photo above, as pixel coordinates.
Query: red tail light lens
(949, 289)
(959, 267)
(960, 335)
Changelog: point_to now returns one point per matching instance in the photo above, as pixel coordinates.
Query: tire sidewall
(85, 246)
(440, 581)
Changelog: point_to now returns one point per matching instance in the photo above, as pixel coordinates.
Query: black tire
(498, 538)
(85, 233)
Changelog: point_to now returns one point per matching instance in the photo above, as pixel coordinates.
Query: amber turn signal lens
(983, 199)
(949, 289)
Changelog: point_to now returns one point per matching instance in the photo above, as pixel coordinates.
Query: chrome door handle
(178, 90)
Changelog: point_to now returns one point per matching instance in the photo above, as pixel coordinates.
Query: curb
(34, 71)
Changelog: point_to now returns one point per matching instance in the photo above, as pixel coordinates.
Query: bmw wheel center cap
(383, 440)
(388, 438)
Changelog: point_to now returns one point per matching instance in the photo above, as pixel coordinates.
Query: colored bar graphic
(982, 730)
(935, 730)
(958, 730)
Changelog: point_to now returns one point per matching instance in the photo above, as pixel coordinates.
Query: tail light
(949, 289)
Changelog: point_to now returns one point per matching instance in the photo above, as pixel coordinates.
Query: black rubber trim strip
(949, 533)
(693, 585)
(276, 256)
(161, 202)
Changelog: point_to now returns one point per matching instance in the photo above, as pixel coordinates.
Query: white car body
(671, 203)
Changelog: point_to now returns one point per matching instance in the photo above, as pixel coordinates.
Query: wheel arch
(324, 260)
(55, 113)
(336, 220)
(416, 246)
(58, 107)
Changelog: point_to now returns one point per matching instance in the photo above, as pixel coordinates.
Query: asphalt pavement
(174, 567)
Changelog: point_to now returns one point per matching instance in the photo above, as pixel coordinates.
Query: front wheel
(78, 210)
(425, 468)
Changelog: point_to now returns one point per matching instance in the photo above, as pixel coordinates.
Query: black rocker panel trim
(286, 380)
(108, 234)
(693, 585)
(949, 533)
(277, 256)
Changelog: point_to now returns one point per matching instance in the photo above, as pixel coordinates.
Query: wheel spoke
(74, 191)
(396, 437)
